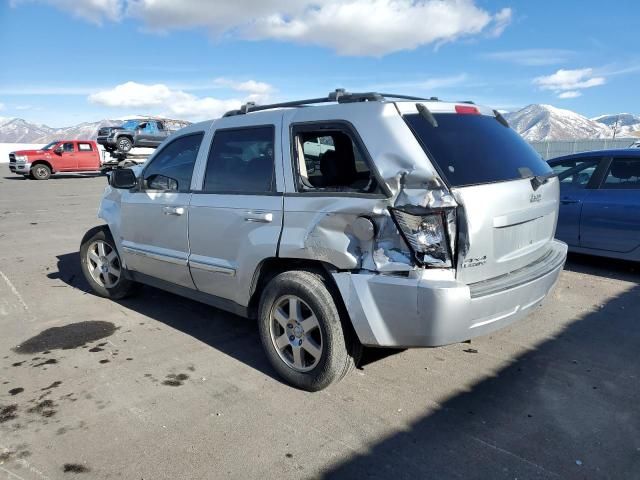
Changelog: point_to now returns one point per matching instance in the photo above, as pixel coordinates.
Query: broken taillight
(427, 233)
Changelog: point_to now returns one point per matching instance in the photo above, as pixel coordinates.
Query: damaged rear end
(465, 243)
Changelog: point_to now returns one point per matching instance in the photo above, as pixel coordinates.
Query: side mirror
(57, 150)
(123, 178)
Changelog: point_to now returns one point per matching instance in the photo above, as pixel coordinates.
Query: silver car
(417, 223)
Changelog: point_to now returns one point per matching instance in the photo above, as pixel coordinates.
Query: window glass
(172, 167)
(67, 147)
(576, 173)
(624, 173)
(329, 160)
(241, 161)
(476, 149)
(84, 147)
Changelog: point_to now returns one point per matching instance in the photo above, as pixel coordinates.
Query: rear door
(87, 156)
(66, 161)
(574, 176)
(611, 213)
(510, 216)
(155, 215)
(235, 219)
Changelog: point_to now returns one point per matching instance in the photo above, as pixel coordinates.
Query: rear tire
(40, 171)
(301, 331)
(102, 266)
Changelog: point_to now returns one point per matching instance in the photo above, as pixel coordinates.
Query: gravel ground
(160, 387)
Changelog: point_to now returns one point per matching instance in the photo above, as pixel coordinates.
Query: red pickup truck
(56, 157)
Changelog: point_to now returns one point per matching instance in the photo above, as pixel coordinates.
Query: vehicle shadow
(567, 408)
(235, 336)
(603, 267)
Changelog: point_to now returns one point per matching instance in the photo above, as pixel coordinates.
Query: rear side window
(241, 161)
(624, 173)
(330, 159)
(475, 149)
(171, 169)
(84, 147)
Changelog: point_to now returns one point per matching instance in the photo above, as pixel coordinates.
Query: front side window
(171, 169)
(329, 160)
(67, 147)
(576, 173)
(624, 173)
(241, 161)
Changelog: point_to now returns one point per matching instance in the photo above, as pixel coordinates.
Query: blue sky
(65, 61)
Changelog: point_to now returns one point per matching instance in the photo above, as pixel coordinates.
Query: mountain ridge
(535, 122)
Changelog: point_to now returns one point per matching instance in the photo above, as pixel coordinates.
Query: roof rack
(340, 95)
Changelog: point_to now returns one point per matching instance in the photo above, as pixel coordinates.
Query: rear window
(474, 149)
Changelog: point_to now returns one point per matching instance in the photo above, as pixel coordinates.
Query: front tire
(102, 266)
(125, 144)
(40, 172)
(301, 331)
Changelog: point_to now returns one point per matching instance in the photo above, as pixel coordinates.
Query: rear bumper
(437, 310)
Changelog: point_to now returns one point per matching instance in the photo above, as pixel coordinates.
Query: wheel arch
(273, 266)
(43, 162)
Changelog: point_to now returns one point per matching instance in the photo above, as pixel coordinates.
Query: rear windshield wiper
(538, 180)
(427, 115)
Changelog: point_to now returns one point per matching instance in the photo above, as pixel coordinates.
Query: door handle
(173, 210)
(260, 217)
(568, 201)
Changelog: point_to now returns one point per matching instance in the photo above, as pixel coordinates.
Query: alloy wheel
(295, 333)
(103, 264)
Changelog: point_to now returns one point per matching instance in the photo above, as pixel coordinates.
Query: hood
(30, 152)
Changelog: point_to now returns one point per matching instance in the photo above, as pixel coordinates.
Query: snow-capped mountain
(534, 122)
(625, 124)
(546, 122)
(17, 130)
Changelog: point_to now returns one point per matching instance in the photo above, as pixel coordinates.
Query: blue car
(600, 202)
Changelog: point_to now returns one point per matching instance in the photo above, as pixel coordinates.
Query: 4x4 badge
(535, 197)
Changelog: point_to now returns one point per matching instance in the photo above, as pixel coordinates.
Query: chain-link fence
(557, 148)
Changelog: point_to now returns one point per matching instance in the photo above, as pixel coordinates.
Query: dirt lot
(159, 387)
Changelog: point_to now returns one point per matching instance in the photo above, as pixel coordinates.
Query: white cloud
(570, 94)
(350, 27)
(250, 86)
(569, 80)
(377, 27)
(533, 57)
(177, 102)
(94, 11)
(501, 21)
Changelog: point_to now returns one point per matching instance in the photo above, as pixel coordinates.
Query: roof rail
(340, 95)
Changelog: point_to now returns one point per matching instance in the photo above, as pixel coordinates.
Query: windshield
(49, 145)
(475, 149)
(130, 124)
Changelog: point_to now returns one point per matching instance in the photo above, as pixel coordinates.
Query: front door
(611, 214)
(155, 215)
(574, 176)
(236, 219)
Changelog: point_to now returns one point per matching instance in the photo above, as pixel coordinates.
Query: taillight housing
(428, 233)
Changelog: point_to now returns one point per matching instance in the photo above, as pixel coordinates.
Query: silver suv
(363, 220)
